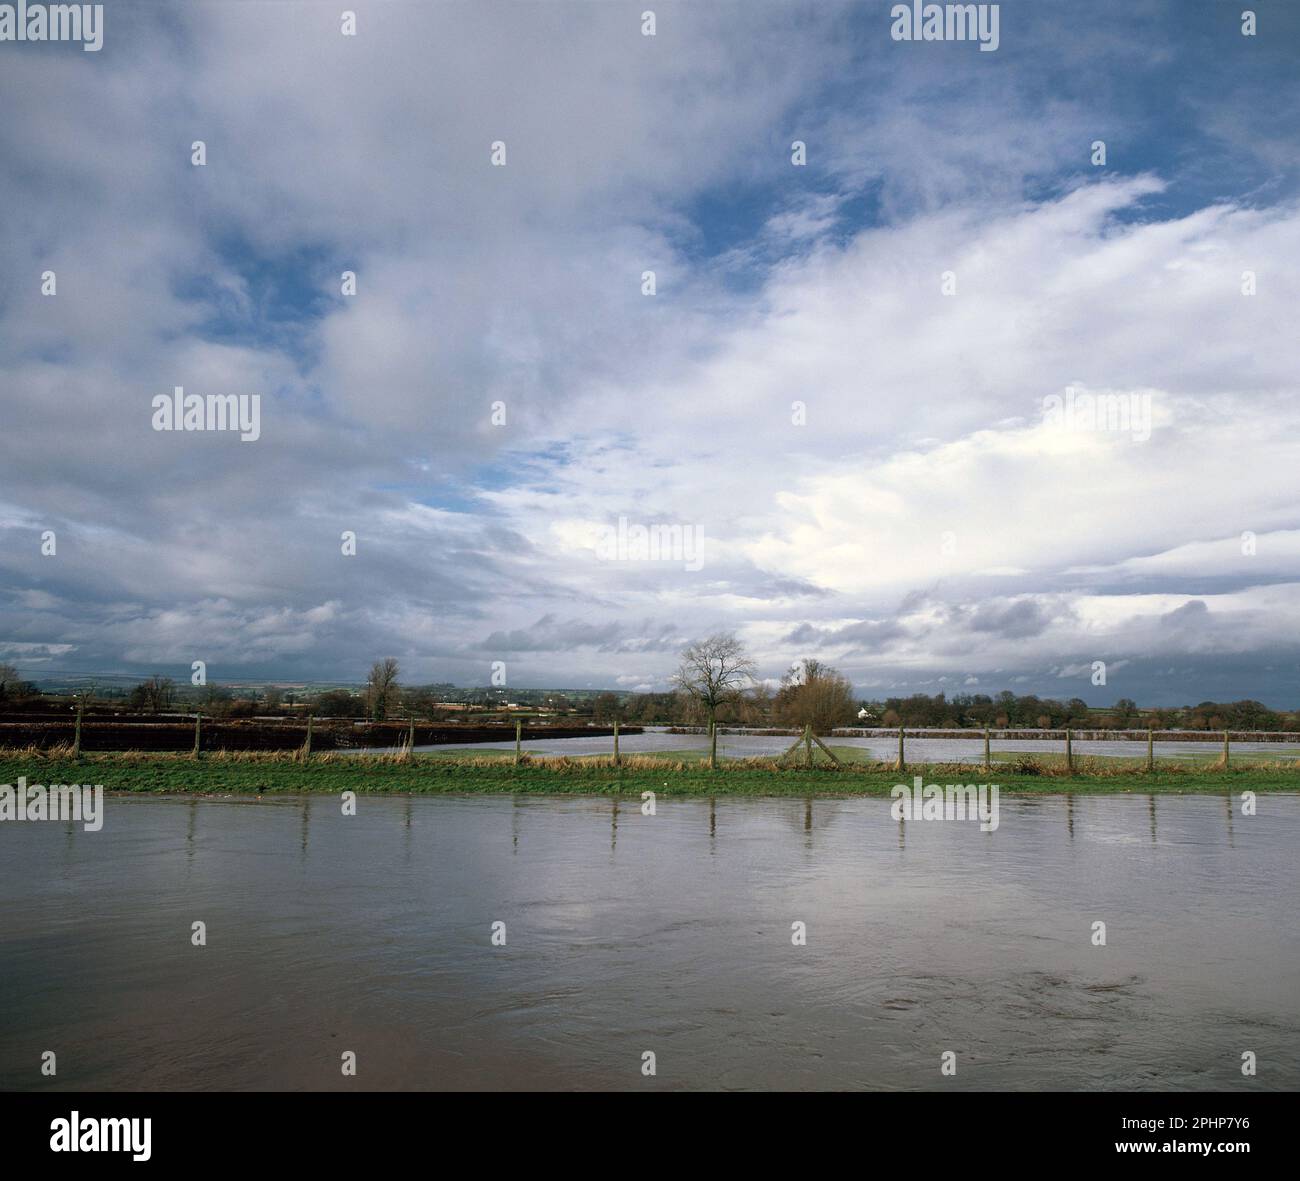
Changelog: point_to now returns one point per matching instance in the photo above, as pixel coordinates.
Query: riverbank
(246, 773)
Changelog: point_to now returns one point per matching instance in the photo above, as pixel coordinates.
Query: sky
(842, 402)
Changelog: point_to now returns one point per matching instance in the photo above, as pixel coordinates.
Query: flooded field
(671, 934)
(921, 750)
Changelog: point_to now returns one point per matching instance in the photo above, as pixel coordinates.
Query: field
(168, 733)
(679, 775)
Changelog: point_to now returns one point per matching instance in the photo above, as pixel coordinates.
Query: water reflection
(629, 930)
(306, 822)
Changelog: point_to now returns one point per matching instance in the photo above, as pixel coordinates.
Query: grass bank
(258, 773)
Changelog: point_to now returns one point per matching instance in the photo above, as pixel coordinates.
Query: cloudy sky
(860, 450)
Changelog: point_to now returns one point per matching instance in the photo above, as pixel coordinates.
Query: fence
(88, 734)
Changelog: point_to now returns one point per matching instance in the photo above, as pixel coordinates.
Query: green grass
(495, 772)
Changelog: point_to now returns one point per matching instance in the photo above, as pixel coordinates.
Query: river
(669, 934)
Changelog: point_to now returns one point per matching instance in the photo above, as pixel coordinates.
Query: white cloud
(925, 515)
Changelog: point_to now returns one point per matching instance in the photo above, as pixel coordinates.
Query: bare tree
(155, 695)
(382, 693)
(714, 671)
(814, 694)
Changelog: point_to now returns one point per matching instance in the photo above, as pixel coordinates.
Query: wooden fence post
(902, 762)
(198, 733)
(616, 758)
(987, 758)
(1069, 751)
(76, 738)
(519, 734)
(1151, 750)
(794, 746)
(307, 746)
(826, 750)
(1225, 748)
(807, 743)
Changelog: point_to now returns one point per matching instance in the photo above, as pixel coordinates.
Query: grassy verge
(260, 773)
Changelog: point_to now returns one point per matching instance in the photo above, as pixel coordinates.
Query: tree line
(716, 682)
(1028, 711)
